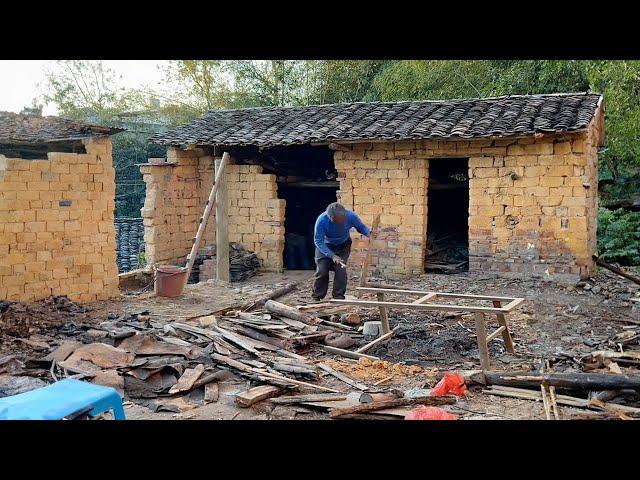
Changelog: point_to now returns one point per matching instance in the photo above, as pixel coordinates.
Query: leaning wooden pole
(367, 257)
(608, 266)
(205, 216)
(222, 229)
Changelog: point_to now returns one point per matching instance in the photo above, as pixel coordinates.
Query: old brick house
(515, 177)
(57, 188)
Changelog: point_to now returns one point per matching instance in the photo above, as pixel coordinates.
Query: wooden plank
(384, 314)
(398, 402)
(205, 216)
(512, 304)
(188, 379)
(420, 306)
(211, 392)
(481, 336)
(380, 339)
(341, 376)
(506, 334)
(222, 226)
(367, 257)
(256, 394)
(497, 332)
(440, 294)
(428, 296)
(312, 397)
(346, 353)
(284, 379)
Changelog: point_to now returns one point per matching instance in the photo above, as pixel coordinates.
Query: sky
(23, 80)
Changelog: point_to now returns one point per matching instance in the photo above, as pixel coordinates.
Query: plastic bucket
(170, 280)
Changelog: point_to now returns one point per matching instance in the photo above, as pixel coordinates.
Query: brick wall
(176, 196)
(390, 179)
(53, 248)
(532, 205)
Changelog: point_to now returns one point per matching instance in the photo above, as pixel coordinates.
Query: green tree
(619, 81)
(88, 91)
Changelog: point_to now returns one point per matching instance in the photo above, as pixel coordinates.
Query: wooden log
(379, 397)
(398, 402)
(346, 353)
(577, 381)
(366, 262)
(207, 213)
(608, 266)
(256, 394)
(278, 292)
(222, 226)
(290, 312)
(341, 376)
(312, 397)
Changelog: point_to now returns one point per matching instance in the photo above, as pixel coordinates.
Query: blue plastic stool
(61, 399)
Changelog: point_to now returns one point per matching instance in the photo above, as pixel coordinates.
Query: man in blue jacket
(333, 246)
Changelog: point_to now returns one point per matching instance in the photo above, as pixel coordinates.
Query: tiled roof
(21, 128)
(437, 119)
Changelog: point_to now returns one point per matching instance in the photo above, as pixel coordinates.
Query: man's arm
(319, 241)
(359, 226)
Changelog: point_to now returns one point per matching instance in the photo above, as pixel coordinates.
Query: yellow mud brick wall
(389, 179)
(529, 210)
(532, 202)
(51, 249)
(176, 198)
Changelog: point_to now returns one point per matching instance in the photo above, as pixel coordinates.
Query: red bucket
(170, 280)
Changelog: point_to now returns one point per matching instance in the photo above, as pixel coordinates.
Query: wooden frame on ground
(501, 306)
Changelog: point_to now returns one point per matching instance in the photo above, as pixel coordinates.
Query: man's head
(336, 213)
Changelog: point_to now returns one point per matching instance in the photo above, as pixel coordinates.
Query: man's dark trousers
(324, 265)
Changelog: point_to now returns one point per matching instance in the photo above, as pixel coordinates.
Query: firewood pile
(243, 264)
(176, 366)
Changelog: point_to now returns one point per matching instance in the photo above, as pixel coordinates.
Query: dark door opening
(307, 181)
(304, 204)
(448, 216)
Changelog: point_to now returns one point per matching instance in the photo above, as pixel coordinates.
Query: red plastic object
(429, 413)
(451, 383)
(170, 280)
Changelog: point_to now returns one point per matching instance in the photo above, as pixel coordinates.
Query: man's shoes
(338, 297)
(316, 299)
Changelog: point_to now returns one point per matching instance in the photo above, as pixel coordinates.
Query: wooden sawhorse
(501, 307)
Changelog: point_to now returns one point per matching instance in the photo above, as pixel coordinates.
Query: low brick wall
(56, 226)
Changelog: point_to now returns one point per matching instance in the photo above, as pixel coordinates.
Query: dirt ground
(559, 323)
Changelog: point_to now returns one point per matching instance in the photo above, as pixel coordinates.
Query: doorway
(448, 216)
